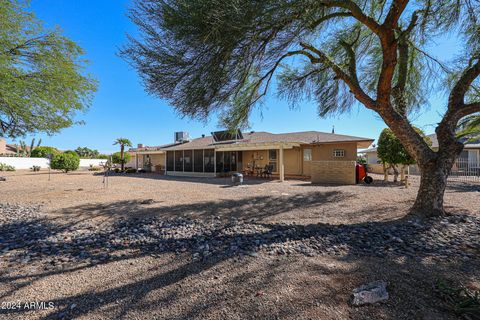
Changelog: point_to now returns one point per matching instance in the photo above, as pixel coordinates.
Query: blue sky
(121, 107)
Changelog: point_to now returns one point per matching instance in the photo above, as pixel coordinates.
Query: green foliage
(103, 156)
(206, 56)
(390, 150)
(70, 152)
(123, 142)
(87, 153)
(42, 86)
(93, 168)
(43, 152)
(117, 158)
(469, 128)
(35, 168)
(361, 160)
(65, 162)
(6, 167)
(462, 301)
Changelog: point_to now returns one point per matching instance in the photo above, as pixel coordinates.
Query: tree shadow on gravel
(234, 231)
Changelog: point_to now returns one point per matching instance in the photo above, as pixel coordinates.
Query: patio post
(281, 168)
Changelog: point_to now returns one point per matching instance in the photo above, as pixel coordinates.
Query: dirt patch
(134, 283)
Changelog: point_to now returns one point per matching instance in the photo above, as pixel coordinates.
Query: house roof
(305, 137)
(433, 137)
(469, 145)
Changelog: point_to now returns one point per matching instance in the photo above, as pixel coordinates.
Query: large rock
(372, 292)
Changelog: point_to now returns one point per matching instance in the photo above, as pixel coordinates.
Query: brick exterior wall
(334, 172)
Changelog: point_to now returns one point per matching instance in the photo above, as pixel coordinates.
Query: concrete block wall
(333, 172)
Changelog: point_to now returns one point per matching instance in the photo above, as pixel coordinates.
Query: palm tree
(123, 142)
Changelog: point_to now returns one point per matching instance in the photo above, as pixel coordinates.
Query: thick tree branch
(330, 16)
(457, 95)
(396, 9)
(357, 91)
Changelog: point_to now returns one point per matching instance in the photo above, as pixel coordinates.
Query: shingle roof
(473, 144)
(306, 137)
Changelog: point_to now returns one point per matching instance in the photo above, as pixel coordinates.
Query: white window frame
(339, 153)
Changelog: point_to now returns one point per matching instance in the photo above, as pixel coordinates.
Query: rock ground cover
(258, 245)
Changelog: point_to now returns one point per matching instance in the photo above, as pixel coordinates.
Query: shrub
(65, 162)
(6, 167)
(93, 168)
(103, 156)
(35, 168)
(131, 170)
(117, 159)
(43, 152)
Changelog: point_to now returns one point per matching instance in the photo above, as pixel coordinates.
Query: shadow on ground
(250, 287)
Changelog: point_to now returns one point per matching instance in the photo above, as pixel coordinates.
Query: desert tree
(122, 142)
(42, 85)
(212, 56)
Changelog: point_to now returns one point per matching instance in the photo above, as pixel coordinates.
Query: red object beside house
(360, 172)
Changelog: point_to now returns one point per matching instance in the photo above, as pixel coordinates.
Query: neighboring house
(7, 149)
(325, 157)
(470, 155)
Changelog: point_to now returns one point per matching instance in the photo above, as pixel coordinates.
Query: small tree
(42, 82)
(392, 153)
(123, 142)
(65, 162)
(43, 152)
(120, 159)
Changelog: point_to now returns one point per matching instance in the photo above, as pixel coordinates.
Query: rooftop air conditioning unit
(181, 137)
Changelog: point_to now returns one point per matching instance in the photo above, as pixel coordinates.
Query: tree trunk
(395, 173)
(429, 201)
(385, 172)
(122, 158)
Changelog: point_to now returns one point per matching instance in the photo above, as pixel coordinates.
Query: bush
(93, 168)
(131, 170)
(35, 168)
(65, 162)
(43, 152)
(118, 160)
(6, 167)
(103, 156)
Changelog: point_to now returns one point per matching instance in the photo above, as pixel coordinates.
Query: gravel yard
(148, 246)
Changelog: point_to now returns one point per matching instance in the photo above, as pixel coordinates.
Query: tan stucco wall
(248, 157)
(324, 152)
(293, 161)
(333, 172)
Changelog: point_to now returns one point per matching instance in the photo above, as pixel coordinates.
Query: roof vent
(181, 137)
(140, 145)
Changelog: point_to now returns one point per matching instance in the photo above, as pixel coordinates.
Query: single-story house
(7, 149)
(325, 157)
(470, 155)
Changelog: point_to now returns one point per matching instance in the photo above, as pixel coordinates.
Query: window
(338, 153)
(170, 161)
(272, 155)
(272, 159)
(187, 161)
(198, 160)
(307, 154)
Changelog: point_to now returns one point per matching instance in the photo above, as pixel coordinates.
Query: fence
(463, 170)
(26, 163)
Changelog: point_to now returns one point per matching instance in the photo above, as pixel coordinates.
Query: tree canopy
(208, 56)
(42, 85)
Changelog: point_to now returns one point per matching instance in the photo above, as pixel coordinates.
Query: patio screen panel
(198, 160)
(170, 161)
(187, 160)
(179, 160)
(209, 160)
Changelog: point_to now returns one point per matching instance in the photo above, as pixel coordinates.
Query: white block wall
(27, 163)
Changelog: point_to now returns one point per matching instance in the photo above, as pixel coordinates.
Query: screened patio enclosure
(203, 161)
